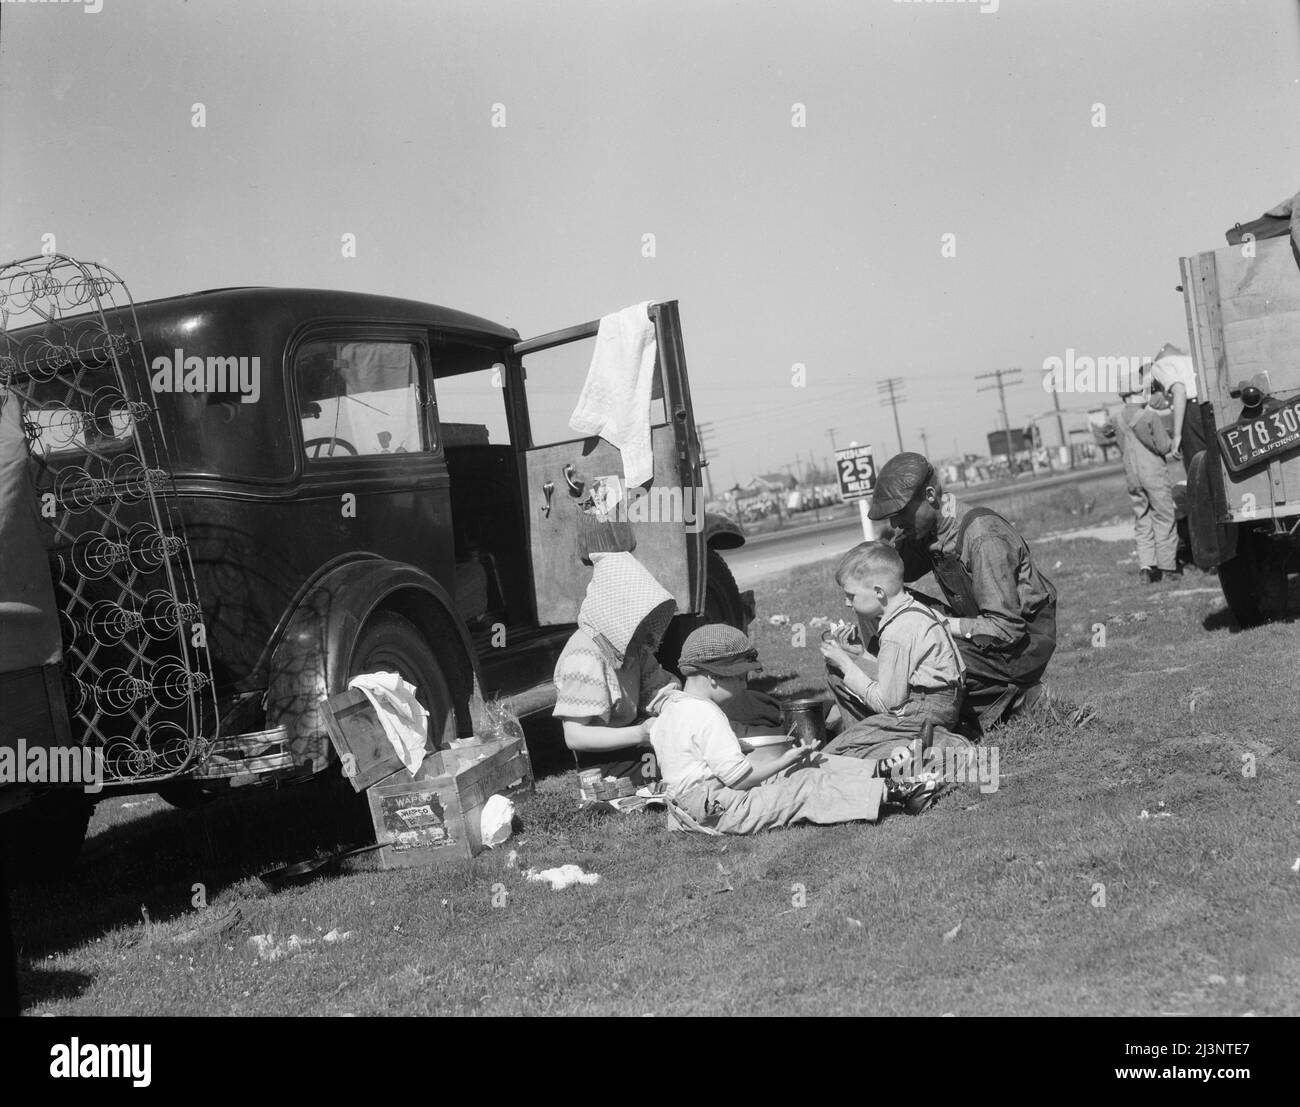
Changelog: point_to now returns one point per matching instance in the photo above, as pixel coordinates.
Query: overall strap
(970, 517)
(942, 624)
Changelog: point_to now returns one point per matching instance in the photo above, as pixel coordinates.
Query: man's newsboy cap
(900, 478)
(718, 649)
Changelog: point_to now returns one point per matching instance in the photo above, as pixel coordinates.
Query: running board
(531, 701)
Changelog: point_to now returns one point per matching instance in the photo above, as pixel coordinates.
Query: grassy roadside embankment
(1140, 864)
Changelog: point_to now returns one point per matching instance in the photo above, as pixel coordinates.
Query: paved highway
(766, 554)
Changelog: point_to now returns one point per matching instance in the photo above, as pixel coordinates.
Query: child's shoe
(913, 796)
(1149, 574)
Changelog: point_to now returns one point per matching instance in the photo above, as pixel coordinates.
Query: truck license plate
(1249, 442)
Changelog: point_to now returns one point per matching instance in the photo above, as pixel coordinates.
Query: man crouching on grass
(709, 777)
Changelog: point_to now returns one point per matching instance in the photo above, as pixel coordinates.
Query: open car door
(575, 496)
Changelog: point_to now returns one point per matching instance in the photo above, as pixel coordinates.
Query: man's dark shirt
(1008, 588)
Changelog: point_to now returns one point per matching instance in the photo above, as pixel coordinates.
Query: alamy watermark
(82, 765)
(608, 500)
(178, 373)
(986, 7)
(949, 765)
(90, 7)
(1081, 373)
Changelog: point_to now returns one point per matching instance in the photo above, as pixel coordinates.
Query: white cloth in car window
(404, 719)
(615, 400)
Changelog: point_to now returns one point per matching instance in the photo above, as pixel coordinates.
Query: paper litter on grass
(268, 949)
(563, 877)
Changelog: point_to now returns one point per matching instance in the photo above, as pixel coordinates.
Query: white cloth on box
(404, 719)
(615, 400)
(496, 820)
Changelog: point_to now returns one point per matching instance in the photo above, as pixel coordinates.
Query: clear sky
(818, 245)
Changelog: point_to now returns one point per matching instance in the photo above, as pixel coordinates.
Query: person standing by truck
(1144, 444)
(1173, 374)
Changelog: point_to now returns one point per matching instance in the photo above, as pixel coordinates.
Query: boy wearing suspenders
(919, 678)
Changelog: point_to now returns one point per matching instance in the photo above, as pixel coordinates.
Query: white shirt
(694, 743)
(1175, 369)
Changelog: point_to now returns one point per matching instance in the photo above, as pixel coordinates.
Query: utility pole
(702, 432)
(886, 393)
(925, 442)
(1060, 425)
(812, 472)
(831, 432)
(998, 374)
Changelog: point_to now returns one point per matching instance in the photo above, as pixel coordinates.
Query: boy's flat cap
(718, 649)
(900, 478)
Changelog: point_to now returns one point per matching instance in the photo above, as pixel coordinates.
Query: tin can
(588, 782)
(805, 719)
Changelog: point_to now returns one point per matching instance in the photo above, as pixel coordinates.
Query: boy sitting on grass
(709, 777)
(920, 670)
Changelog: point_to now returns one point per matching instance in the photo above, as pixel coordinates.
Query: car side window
(359, 398)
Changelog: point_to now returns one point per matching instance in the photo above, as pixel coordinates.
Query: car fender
(1213, 542)
(722, 533)
(313, 654)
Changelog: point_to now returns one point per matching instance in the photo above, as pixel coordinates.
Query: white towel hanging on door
(615, 400)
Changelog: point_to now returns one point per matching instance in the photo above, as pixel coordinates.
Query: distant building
(1014, 443)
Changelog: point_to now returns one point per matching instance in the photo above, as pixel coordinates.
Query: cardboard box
(434, 817)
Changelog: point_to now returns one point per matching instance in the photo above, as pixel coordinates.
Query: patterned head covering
(621, 597)
(719, 649)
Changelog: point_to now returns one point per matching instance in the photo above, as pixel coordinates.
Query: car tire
(389, 643)
(1254, 582)
(722, 604)
(392, 643)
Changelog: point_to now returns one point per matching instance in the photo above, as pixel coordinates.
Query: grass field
(1139, 864)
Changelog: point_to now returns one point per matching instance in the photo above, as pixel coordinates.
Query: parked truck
(1243, 490)
(231, 502)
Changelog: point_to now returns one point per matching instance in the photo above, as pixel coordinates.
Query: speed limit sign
(857, 471)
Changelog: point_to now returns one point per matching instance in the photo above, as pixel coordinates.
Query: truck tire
(44, 838)
(1254, 582)
(722, 604)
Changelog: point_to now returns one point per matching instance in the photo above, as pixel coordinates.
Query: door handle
(575, 486)
(548, 490)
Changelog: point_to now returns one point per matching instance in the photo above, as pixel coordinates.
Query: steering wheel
(330, 441)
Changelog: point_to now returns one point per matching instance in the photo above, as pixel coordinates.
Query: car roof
(313, 303)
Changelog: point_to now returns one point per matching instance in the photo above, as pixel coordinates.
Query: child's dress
(597, 675)
(700, 758)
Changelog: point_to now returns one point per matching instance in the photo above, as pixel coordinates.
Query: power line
(998, 374)
(887, 388)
